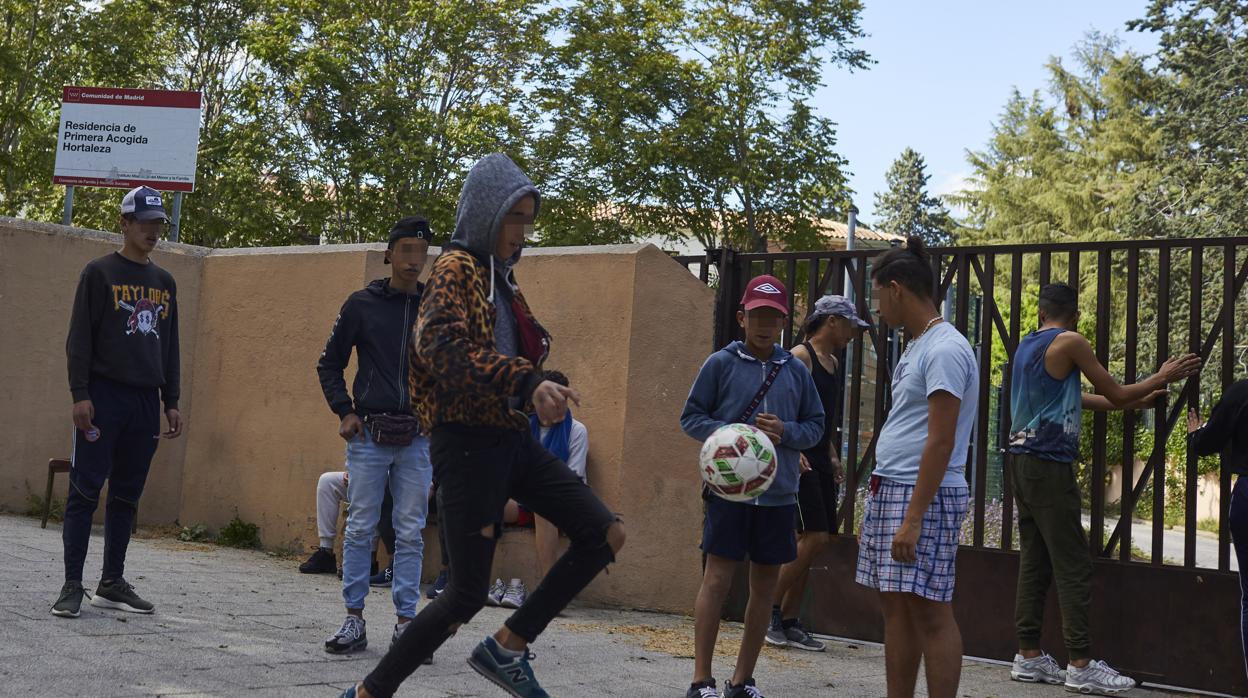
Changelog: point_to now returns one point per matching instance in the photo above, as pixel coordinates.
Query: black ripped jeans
(478, 469)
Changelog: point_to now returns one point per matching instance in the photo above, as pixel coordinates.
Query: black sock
(787, 623)
(709, 683)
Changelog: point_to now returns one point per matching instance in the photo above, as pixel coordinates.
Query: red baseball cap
(766, 291)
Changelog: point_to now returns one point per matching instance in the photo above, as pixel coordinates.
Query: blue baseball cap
(143, 203)
(836, 305)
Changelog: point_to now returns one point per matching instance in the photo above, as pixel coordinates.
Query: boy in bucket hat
(754, 382)
(828, 330)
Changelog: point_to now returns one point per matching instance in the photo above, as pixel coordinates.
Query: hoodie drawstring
(491, 278)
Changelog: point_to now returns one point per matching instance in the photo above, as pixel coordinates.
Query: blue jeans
(1239, 535)
(409, 473)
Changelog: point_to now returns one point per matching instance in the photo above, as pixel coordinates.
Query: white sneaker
(1042, 669)
(495, 595)
(514, 596)
(1097, 678)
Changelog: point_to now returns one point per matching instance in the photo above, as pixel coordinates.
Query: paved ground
(234, 623)
(1172, 543)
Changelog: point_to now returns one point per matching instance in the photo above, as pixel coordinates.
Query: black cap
(411, 227)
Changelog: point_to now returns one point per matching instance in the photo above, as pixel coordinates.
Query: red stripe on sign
(124, 183)
(124, 97)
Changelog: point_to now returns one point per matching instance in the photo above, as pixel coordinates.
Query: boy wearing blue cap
(122, 353)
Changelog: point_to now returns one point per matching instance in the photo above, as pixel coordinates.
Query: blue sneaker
(349, 693)
(439, 586)
(382, 578)
(512, 674)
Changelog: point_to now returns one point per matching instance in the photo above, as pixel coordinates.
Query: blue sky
(944, 70)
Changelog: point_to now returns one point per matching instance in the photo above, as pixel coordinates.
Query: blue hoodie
(727, 384)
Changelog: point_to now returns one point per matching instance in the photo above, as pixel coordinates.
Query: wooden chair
(61, 465)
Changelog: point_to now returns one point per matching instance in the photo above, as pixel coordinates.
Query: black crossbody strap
(762, 393)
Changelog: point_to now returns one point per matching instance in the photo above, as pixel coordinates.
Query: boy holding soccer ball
(755, 382)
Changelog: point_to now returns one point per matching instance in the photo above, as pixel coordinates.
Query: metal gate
(1165, 603)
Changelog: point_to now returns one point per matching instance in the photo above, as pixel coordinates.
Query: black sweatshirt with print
(124, 327)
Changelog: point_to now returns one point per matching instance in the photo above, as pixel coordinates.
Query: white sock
(327, 543)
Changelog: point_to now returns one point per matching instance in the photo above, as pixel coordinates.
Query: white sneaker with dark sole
(1042, 669)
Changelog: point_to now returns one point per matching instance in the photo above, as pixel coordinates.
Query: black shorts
(734, 530)
(816, 502)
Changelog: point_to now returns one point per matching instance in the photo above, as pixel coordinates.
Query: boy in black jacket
(383, 445)
(122, 352)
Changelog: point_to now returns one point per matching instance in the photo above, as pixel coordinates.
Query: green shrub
(239, 534)
(195, 533)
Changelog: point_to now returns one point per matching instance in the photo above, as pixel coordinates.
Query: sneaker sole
(379, 586)
(807, 648)
(1033, 678)
(487, 673)
(66, 614)
(100, 602)
(510, 604)
(1096, 690)
(776, 643)
(362, 644)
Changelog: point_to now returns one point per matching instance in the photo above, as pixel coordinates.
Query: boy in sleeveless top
(828, 330)
(1045, 407)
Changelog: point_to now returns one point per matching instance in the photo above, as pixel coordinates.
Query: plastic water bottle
(93, 434)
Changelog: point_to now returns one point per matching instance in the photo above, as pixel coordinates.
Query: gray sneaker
(1042, 669)
(70, 601)
(1097, 678)
(799, 638)
(514, 596)
(776, 637)
(495, 595)
(351, 637)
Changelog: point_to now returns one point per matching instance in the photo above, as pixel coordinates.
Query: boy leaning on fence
(1046, 406)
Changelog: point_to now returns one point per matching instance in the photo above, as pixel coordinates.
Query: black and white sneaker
(747, 689)
(70, 600)
(351, 637)
(119, 594)
(703, 689)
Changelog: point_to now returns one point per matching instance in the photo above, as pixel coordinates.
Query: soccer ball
(738, 462)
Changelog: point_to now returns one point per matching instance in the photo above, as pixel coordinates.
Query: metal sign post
(67, 217)
(177, 217)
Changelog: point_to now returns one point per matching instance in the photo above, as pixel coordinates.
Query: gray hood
(492, 187)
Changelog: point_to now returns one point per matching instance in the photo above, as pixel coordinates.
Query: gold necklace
(919, 336)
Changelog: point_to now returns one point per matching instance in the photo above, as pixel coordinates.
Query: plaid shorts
(931, 575)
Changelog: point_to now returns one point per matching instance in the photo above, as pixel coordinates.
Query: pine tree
(907, 208)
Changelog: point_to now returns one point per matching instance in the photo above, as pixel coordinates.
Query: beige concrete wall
(631, 328)
(39, 268)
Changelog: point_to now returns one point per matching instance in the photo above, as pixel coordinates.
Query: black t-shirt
(828, 388)
(124, 327)
(1227, 424)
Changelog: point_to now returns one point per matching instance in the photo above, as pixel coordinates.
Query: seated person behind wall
(331, 492)
(569, 440)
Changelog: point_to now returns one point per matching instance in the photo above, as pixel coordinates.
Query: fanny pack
(392, 429)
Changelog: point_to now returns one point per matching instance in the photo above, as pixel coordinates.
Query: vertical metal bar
(1193, 402)
(1228, 375)
(175, 229)
(1159, 429)
(1127, 502)
(67, 216)
(964, 292)
(769, 267)
(1104, 310)
(704, 274)
(791, 287)
(1072, 271)
(1007, 486)
(812, 283)
(855, 407)
(985, 374)
(1046, 266)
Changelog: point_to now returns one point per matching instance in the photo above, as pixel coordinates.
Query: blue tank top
(1045, 413)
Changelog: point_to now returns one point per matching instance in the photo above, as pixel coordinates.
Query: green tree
(906, 208)
(393, 103)
(1201, 107)
(691, 119)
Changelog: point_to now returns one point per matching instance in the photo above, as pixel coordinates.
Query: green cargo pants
(1053, 545)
